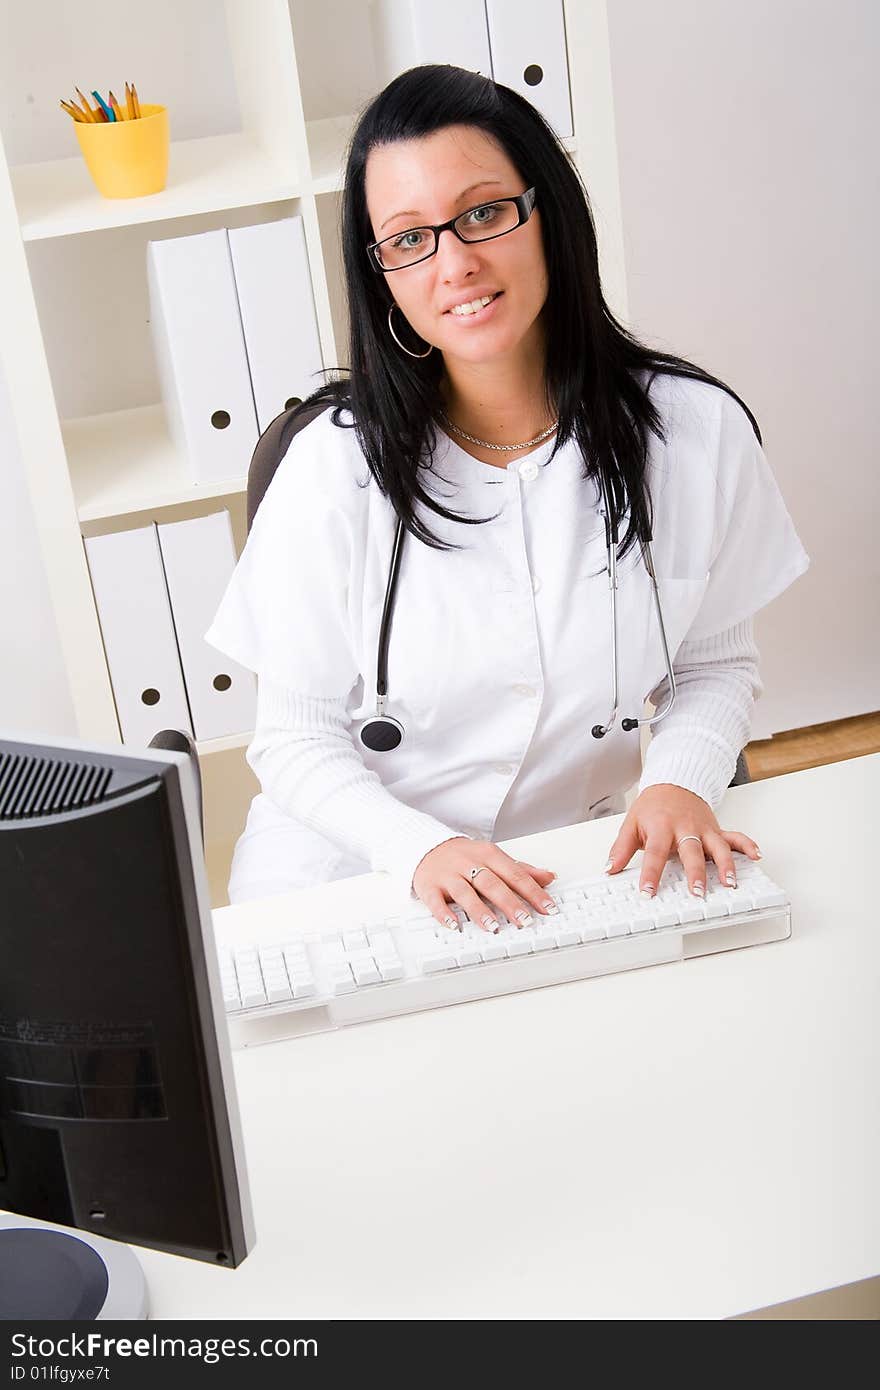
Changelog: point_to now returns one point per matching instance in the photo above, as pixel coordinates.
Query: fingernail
(552, 875)
(609, 865)
(451, 922)
(526, 918)
(550, 906)
(731, 878)
(647, 891)
(758, 854)
(489, 922)
(699, 890)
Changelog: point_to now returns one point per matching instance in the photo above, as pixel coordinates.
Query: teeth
(474, 305)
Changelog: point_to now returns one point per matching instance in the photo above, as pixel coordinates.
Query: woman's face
(422, 182)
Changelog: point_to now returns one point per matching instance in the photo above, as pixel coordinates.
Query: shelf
(57, 197)
(224, 745)
(125, 461)
(328, 141)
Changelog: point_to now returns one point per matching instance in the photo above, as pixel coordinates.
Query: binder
(529, 54)
(271, 267)
(135, 617)
(200, 353)
(199, 557)
(409, 32)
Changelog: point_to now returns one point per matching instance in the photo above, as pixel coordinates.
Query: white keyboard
(278, 985)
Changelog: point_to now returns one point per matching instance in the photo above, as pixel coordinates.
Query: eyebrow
(411, 213)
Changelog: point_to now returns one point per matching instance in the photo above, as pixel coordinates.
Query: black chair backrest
(271, 447)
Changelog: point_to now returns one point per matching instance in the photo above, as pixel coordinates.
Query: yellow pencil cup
(127, 159)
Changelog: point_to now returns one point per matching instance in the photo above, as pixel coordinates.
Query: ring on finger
(477, 869)
(698, 838)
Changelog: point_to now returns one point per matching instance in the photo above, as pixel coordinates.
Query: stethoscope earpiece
(381, 735)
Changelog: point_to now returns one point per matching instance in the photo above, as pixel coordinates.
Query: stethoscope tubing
(598, 730)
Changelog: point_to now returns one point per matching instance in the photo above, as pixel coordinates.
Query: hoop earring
(395, 305)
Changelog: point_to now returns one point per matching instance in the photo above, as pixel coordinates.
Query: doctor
(495, 407)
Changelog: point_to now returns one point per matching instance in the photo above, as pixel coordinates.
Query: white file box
(274, 287)
(135, 616)
(200, 354)
(528, 49)
(199, 557)
(410, 32)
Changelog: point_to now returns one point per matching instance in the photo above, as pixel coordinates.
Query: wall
(746, 137)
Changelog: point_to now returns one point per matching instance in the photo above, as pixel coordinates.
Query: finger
(657, 848)
(537, 874)
(513, 888)
(744, 843)
(477, 910)
(437, 905)
(624, 847)
(690, 852)
(719, 849)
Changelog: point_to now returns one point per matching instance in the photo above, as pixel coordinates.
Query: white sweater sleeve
(697, 744)
(308, 765)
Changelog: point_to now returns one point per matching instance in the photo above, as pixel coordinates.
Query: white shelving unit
(73, 341)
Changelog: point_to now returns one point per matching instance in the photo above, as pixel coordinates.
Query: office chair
(179, 742)
(270, 450)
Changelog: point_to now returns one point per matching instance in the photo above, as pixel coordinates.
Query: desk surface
(692, 1140)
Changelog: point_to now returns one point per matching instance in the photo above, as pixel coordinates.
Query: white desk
(693, 1140)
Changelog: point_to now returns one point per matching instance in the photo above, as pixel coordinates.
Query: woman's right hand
(512, 886)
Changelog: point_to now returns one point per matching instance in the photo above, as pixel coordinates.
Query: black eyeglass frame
(525, 206)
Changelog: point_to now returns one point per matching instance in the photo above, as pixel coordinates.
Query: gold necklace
(504, 448)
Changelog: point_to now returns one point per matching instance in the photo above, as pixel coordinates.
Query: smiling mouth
(474, 313)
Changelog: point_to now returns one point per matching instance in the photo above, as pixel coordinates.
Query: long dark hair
(592, 361)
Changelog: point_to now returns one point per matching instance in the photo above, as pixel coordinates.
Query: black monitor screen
(117, 1106)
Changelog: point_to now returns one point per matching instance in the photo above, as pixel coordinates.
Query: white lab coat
(500, 655)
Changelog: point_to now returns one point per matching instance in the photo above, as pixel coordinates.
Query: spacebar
(505, 977)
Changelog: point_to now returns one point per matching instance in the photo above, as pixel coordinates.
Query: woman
(496, 407)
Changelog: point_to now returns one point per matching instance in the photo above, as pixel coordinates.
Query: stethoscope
(383, 733)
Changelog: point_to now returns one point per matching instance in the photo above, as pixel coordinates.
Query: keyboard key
(620, 927)
(390, 969)
(492, 949)
(277, 991)
(519, 945)
(438, 960)
(468, 955)
(567, 936)
(364, 971)
(592, 931)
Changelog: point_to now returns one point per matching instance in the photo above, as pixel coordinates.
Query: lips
(496, 294)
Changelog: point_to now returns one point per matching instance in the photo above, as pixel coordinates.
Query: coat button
(528, 470)
(525, 690)
(504, 768)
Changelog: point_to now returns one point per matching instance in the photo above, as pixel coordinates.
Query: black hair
(592, 362)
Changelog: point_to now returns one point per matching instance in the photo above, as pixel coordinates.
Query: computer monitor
(118, 1112)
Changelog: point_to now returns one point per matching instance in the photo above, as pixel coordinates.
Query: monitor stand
(50, 1272)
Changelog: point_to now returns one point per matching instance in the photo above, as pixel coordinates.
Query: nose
(455, 257)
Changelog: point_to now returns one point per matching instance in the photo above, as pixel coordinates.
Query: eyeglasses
(481, 223)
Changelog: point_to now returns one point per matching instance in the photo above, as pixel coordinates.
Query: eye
(408, 241)
(489, 209)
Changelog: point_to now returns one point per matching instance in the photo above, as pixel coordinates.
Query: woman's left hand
(656, 822)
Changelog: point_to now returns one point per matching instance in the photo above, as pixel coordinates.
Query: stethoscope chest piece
(382, 734)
